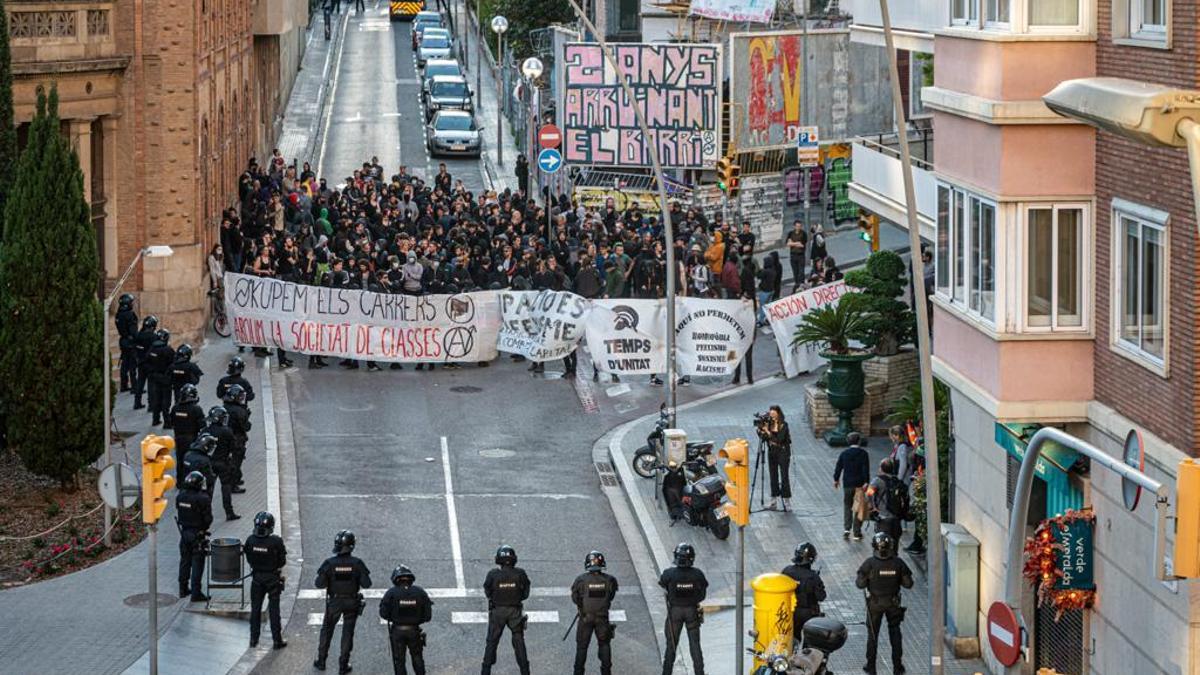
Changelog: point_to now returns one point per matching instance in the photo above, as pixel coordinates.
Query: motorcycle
(820, 637)
(696, 502)
(700, 460)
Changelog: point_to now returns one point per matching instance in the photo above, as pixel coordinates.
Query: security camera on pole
(499, 27)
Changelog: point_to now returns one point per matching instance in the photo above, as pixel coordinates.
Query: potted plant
(888, 323)
(830, 329)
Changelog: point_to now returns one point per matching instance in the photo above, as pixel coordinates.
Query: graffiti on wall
(676, 86)
(828, 183)
(735, 10)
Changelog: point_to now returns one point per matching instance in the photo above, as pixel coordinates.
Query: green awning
(1052, 466)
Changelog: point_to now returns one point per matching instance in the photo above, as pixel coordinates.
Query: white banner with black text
(785, 314)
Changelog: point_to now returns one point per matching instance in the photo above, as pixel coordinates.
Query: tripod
(760, 457)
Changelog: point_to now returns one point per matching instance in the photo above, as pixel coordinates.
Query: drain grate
(143, 600)
(466, 389)
(608, 478)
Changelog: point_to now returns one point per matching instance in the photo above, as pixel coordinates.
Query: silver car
(435, 44)
(453, 132)
(435, 67)
(448, 92)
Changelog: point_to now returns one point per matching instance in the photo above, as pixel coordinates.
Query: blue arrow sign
(549, 160)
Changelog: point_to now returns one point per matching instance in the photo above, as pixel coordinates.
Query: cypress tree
(8, 131)
(50, 317)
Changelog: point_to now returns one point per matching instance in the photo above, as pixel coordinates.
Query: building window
(1141, 291)
(964, 12)
(966, 264)
(997, 11)
(1053, 12)
(1054, 275)
(920, 71)
(1148, 18)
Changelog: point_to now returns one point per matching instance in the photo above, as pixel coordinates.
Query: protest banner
(676, 86)
(541, 325)
(712, 336)
(628, 337)
(353, 324)
(785, 314)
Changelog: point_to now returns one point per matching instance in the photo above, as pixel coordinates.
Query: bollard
(774, 600)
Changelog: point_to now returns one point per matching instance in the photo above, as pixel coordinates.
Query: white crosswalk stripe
(538, 616)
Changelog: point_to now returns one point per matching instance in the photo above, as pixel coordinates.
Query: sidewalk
(95, 620)
(500, 175)
(300, 139)
(771, 537)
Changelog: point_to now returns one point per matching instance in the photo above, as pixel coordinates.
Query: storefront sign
(1075, 557)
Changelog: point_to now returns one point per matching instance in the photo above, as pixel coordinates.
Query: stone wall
(900, 372)
(822, 416)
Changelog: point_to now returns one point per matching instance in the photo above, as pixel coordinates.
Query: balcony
(279, 17)
(61, 31)
(914, 22)
(878, 184)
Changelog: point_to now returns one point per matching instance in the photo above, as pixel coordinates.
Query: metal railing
(920, 141)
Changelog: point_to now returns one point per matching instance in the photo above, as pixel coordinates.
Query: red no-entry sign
(549, 136)
(1004, 635)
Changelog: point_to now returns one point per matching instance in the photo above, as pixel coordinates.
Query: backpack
(896, 499)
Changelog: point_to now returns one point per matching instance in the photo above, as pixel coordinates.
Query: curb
(326, 94)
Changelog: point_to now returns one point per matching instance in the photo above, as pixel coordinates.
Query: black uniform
(686, 588)
(405, 607)
(342, 577)
(593, 593)
(239, 423)
(228, 381)
(266, 556)
(883, 579)
(506, 589)
(127, 330)
(142, 342)
(194, 460)
(223, 463)
(187, 419)
(810, 592)
(184, 372)
(193, 513)
(158, 372)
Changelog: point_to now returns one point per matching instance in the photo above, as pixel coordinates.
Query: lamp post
(106, 371)
(532, 69)
(499, 27)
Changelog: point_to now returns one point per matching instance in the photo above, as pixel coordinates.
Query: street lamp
(499, 27)
(532, 69)
(157, 251)
(1151, 114)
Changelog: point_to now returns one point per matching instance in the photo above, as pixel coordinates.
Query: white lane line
(268, 404)
(459, 495)
(482, 617)
(337, 67)
(460, 577)
(455, 593)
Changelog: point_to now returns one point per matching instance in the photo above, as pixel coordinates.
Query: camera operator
(772, 428)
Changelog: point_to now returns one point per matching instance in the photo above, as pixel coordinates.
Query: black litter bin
(225, 566)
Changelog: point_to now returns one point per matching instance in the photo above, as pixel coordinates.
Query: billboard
(676, 86)
(737, 11)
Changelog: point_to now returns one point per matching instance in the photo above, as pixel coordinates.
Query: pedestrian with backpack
(889, 498)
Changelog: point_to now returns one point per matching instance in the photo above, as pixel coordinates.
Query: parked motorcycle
(647, 460)
(820, 637)
(696, 502)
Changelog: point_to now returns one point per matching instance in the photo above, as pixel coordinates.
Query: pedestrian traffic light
(737, 488)
(1187, 520)
(156, 461)
(728, 179)
(868, 225)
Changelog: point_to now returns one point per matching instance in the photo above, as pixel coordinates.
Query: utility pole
(933, 491)
(804, 116)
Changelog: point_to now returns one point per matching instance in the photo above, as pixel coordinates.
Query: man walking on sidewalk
(851, 474)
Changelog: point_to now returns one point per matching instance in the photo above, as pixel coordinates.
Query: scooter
(696, 502)
(647, 460)
(820, 637)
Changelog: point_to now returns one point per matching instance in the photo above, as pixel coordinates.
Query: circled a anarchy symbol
(458, 342)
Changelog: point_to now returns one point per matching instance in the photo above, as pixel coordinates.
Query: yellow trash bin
(774, 599)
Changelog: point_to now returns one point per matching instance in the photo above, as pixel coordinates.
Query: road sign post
(549, 161)
(808, 155)
(1004, 635)
(549, 136)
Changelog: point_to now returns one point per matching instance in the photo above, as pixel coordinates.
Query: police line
(624, 336)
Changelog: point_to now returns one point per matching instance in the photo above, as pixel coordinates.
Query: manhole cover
(466, 389)
(143, 600)
(497, 453)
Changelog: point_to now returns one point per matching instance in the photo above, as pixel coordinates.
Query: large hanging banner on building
(759, 11)
(785, 314)
(676, 86)
(355, 324)
(541, 325)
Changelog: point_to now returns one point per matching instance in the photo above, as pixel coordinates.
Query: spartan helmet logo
(625, 317)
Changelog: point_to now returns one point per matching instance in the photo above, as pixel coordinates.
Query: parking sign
(808, 147)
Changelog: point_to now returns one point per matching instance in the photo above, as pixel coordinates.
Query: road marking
(268, 404)
(337, 67)
(538, 616)
(395, 114)
(456, 593)
(460, 577)
(460, 495)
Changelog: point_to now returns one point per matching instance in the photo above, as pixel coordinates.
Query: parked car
(422, 21)
(447, 92)
(435, 44)
(453, 132)
(435, 67)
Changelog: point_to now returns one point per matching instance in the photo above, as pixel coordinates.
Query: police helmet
(594, 562)
(506, 556)
(184, 353)
(343, 543)
(236, 366)
(194, 481)
(403, 575)
(150, 322)
(888, 466)
(264, 523)
(685, 555)
(883, 545)
(205, 443)
(188, 393)
(805, 554)
(218, 416)
(125, 301)
(235, 394)
(163, 334)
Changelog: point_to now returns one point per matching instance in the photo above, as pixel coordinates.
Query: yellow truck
(404, 9)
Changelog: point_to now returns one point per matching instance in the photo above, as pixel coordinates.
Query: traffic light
(1187, 520)
(737, 488)
(156, 461)
(868, 225)
(728, 179)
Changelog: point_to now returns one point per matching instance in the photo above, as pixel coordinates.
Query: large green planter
(846, 393)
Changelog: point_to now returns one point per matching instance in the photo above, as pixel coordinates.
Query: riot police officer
(127, 329)
(405, 607)
(184, 371)
(234, 376)
(342, 576)
(266, 555)
(239, 423)
(193, 515)
(187, 417)
(222, 456)
(686, 588)
(506, 588)
(142, 342)
(593, 593)
(883, 575)
(158, 374)
(198, 458)
(810, 589)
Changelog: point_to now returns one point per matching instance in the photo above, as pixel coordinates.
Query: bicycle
(220, 320)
